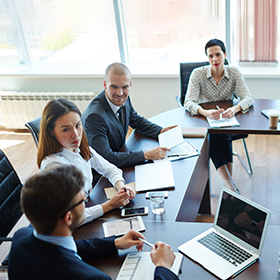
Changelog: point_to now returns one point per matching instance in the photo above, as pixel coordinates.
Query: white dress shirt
(101, 165)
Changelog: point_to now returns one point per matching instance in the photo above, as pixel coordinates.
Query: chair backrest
(34, 128)
(185, 72)
(10, 188)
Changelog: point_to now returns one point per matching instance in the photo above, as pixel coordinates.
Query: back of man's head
(48, 194)
(116, 68)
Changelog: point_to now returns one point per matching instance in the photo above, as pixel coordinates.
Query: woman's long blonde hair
(48, 144)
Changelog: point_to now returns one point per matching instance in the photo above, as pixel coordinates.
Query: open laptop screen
(241, 219)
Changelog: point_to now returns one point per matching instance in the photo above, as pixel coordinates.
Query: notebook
(173, 139)
(139, 266)
(223, 122)
(212, 249)
(154, 176)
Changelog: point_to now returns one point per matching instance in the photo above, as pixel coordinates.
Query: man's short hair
(50, 193)
(215, 42)
(117, 68)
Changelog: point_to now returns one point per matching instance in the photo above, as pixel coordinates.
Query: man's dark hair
(215, 42)
(50, 193)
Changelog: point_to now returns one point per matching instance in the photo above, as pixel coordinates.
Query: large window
(174, 30)
(58, 30)
(93, 30)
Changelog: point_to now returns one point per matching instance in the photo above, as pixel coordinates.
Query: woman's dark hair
(215, 42)
(48, 144)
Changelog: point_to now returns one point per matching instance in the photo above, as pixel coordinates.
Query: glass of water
(157, 204)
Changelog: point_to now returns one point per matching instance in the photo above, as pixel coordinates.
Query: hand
(156, 153)
(167, 128)
(162, 255)
(119, 200)
(130, 239)
(120, 186)
(229, 113)
(129, 191)
(215, 114)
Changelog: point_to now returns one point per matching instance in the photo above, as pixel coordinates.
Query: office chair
(10, 209)
(185, 72)
(34, 128)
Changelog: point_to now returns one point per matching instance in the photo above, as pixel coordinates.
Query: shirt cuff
(92, 213)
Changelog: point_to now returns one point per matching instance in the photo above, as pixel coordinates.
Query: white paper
(171, 137)
(223, 122)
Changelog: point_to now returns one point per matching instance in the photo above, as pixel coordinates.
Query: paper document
(154, 176)
(139, 266)
(173, 139)
(223, 122)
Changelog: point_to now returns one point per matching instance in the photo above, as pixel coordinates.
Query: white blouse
(101, 165)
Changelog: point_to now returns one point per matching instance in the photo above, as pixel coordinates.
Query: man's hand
(167, 128)
(162, 255)
(130, 239)
(156, 153)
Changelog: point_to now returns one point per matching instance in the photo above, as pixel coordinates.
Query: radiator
(17, 108)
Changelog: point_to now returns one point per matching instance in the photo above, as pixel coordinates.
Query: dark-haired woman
(63, 141)
(218, 82)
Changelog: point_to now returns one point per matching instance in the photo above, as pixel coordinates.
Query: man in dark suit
(106, 127)
(53, 201)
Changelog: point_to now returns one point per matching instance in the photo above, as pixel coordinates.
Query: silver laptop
(236, 239)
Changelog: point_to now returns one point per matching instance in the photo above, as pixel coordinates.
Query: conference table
(191, 194)
(177, 233)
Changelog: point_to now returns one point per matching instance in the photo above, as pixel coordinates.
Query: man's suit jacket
(106, 134)
(33, 259)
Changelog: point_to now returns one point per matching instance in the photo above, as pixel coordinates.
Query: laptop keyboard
(224, 248)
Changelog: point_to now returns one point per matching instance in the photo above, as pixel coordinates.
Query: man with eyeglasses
(53, 201)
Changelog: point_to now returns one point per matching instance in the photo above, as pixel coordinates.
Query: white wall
(150, 96)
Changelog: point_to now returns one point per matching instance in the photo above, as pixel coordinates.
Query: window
(59, 30)
(172, 30)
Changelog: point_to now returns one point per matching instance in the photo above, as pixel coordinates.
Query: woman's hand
(119, 200)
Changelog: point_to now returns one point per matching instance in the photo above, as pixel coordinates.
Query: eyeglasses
(85, 199)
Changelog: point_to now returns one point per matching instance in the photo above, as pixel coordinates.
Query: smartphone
(155, 194)
(134, 211)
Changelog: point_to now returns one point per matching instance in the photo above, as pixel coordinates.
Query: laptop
(236, 239)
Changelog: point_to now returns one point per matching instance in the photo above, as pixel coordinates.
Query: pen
(146, 242)
(125, 189)
(130, 222)
(183, 155)
(218, 107)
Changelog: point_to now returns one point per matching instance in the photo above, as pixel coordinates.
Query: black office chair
(34, 128)
(10, 209)
(185, 72)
